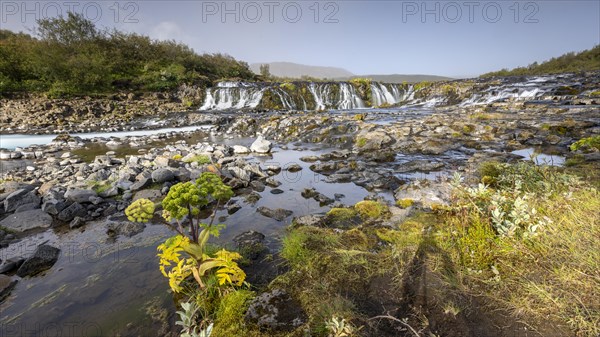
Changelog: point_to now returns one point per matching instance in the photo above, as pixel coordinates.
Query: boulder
(53, 206)
(20, 197)
(278, 214)
(24, 221)
(125, 228)
(251, 244)
(69, 213)
(276, 310)
(162, 175)
(7, 283)
(44, 258)
(76, 222)
(308, 220)
(238, 149)
(261, 145)
(141, 183)
(80, 195)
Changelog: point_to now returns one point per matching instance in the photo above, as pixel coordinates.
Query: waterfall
(228, 95)
(531, 89)
(349, 99)
(320, 93)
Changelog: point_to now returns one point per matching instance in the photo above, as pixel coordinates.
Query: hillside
(587, 60)
(71, 56)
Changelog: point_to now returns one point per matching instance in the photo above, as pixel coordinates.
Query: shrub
(587, 144)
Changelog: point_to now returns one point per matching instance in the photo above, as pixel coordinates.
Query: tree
(73, 29)
(265, 71)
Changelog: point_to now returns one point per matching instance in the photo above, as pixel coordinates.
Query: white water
(11, 142)
(229, 95)
(349, 98)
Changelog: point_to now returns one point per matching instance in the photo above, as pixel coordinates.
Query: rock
(238, 149)
(125, 228)
(339, 178)
(251, 244)
(425, 193)
(44, 258)
(233, 208)
(7, 283)
(24, 221)
(11, 265)
(373, 140)
(20, 197)
(308, 220)
(261, 145)
(278, 214)
(253, 197)
(148, 194)
(276, 310)
(143, 182)
(79, 195)
(162, 175)
(273, 169)
(76, 222)
(276, 191)
(27, 207)
(53, 206)
(241, 174)
(257, 185)
(294, 168)
(272, 182)
(162, 161)
(309, 159)
(109, 192)
(69, 213)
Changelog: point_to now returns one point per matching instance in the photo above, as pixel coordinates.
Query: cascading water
(349, 99)
(531, 89)
(228, 95)
(320, 94)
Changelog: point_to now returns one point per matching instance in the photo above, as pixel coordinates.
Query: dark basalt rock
(44, 258)
(276, 310)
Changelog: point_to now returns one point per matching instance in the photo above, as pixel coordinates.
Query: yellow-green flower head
(141, 210)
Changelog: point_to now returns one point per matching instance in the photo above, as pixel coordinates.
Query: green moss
(200, 159)
(468, 129)
(177, 157)
(288, 86)
(359, 117)
(341, 214)
(489, 172)
(595, 93)
(230, 313)
(361, 142)
(369, 209)
(405, 203)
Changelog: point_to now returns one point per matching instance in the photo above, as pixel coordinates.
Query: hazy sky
(451, 38)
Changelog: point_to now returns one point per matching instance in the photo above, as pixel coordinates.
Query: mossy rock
(342, 218)
(405, 203)
(369, 209)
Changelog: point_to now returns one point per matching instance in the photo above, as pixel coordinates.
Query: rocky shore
(407, 154)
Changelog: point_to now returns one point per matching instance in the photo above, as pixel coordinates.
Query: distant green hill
(400, 78)
(587, 60)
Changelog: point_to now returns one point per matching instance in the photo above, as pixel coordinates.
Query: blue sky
(451, 38)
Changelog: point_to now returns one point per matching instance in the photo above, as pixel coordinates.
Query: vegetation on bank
(587, 60)
(519, 249)
(71, 56)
